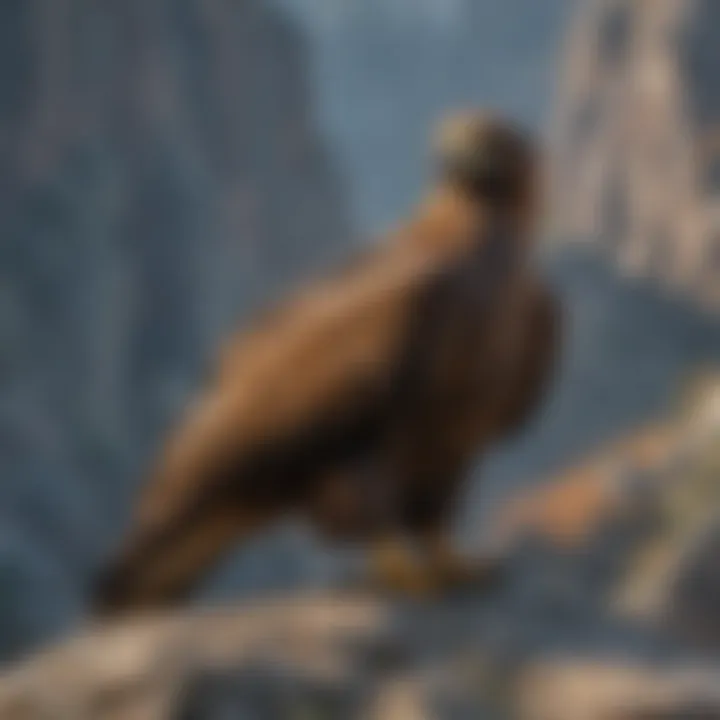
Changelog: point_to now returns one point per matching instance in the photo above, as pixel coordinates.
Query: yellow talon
(453, 571)
(396, 569)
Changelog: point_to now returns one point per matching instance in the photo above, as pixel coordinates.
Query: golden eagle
(363, 401)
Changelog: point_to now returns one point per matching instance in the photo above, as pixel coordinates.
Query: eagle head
(487, 157)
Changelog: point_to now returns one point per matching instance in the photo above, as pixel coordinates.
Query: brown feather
(360, 401)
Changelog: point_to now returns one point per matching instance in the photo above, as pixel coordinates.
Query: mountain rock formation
(160, 170)
(635, 139)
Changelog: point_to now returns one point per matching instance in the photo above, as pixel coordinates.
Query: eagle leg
(396, 568)
(428, 568)
(453, 571)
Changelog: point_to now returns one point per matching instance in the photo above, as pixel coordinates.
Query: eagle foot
(455, 573)
(397, 570)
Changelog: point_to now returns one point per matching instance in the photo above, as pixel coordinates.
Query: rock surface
(590, 621)
(573, 690)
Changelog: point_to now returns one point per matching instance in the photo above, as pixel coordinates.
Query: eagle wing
(307, 380)
(538, 361)
(316, 366)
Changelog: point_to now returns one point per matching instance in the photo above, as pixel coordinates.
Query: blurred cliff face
(160, 170)
(637, 150)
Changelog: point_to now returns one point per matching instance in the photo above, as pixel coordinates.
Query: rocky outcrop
(196, 665)
(635, 139)
(160, 170)
(329, 658)
(597, 690)
(598, 615)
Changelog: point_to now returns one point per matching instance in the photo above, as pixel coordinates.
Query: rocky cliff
(605, 611)
(635, 143)
(160, 170)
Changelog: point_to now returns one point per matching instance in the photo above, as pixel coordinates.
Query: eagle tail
(159, 566)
